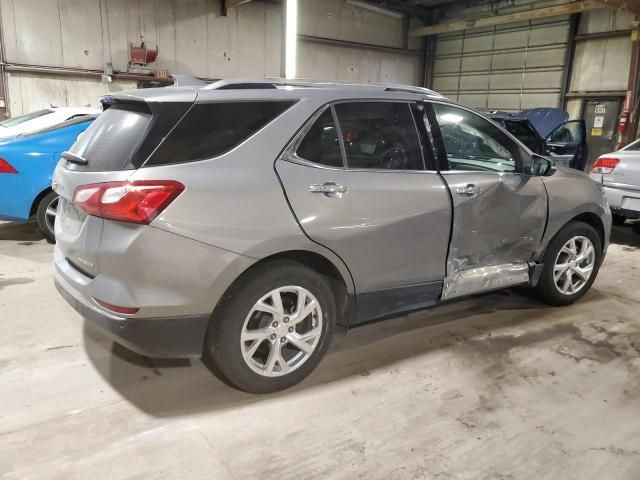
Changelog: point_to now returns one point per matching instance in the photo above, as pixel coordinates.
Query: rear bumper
(630, 214)
(154, 337)
(623, 201)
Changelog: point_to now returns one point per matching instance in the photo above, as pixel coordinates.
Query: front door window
(472, 143)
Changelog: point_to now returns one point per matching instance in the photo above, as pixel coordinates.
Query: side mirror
(541, 166)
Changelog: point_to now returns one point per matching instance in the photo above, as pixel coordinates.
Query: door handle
(330, 189)
(469, 190)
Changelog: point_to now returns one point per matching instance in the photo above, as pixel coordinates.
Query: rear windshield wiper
(73, 158)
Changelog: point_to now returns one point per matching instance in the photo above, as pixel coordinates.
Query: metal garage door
(507, 67)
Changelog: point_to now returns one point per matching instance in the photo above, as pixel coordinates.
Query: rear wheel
(46, 215)
(271, 331)
(571, 264)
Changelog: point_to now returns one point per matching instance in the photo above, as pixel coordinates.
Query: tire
(618, 219)
(236, 316)
(45, 221)
(548, 289)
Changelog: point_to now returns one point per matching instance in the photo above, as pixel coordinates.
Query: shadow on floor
(181, 387)
(627, 234)
(27, 232)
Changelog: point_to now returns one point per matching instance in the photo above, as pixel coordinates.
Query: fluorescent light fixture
(291, 37)
(375, 8)
(451, 118)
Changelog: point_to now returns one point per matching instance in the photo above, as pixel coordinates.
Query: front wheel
(571, 264)
(46, 215)
(272, 330)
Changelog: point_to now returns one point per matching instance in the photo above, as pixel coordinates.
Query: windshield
(523, 132)
(13, 121)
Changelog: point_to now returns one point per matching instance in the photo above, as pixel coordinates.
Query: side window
(569, 132)
(211, 129)
(380, 135)
(474, 144)
(321, 144)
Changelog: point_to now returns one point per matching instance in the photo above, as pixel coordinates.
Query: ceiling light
(291, 37)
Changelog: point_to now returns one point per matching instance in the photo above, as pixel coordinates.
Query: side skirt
(391, 302)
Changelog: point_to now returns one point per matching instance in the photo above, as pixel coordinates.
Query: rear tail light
(134, 202)
(5, 167)
(605, 165)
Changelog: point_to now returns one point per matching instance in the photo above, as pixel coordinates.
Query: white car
(619, 174)
(30, 122)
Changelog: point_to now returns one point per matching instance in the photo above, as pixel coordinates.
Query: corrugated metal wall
(192, 38)
(602, 64)
(507, 67)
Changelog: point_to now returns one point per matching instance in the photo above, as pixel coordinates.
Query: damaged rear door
(500, 211)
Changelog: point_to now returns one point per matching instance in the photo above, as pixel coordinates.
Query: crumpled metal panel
(476, 280)
(495, 233)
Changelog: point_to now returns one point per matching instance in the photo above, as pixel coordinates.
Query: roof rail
(261, 83)
(186, 81)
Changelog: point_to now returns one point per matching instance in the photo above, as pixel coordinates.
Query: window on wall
(472, 143)
(380, 135)
(321, 144)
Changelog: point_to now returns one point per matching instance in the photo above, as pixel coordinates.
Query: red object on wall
(623, 123)
(142, 55)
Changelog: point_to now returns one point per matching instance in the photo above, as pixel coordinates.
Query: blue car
(26, 167)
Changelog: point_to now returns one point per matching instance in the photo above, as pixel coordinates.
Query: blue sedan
(26, 168)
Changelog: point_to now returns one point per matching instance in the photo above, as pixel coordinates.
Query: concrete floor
(495, 387)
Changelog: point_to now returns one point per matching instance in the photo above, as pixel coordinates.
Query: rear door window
(380, 136)
(109, 143)
(211, 129)
(13, 121)
(321, 143)
(58, 126)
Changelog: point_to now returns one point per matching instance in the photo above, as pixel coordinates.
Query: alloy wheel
(574, 265)
(281, 331)
(50, 213)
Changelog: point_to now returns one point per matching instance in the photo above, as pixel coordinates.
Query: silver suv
(244, 220)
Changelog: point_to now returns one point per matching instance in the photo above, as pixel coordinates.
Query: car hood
(544, 120)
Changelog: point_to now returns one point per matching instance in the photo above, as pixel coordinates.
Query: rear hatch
(118, 143)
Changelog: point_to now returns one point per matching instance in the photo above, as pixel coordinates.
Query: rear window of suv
(211, 129)
(109, 143)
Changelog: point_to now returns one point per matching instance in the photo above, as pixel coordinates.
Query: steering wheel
(394, 158)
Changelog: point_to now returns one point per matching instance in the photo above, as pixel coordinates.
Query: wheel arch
(37, 200)
(339, 278)
(590, 218)
(594, 221)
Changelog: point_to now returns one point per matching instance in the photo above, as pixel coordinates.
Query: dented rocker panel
(482, 279)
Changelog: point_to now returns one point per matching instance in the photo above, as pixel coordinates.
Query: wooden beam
(464, 24)
(632, 6)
